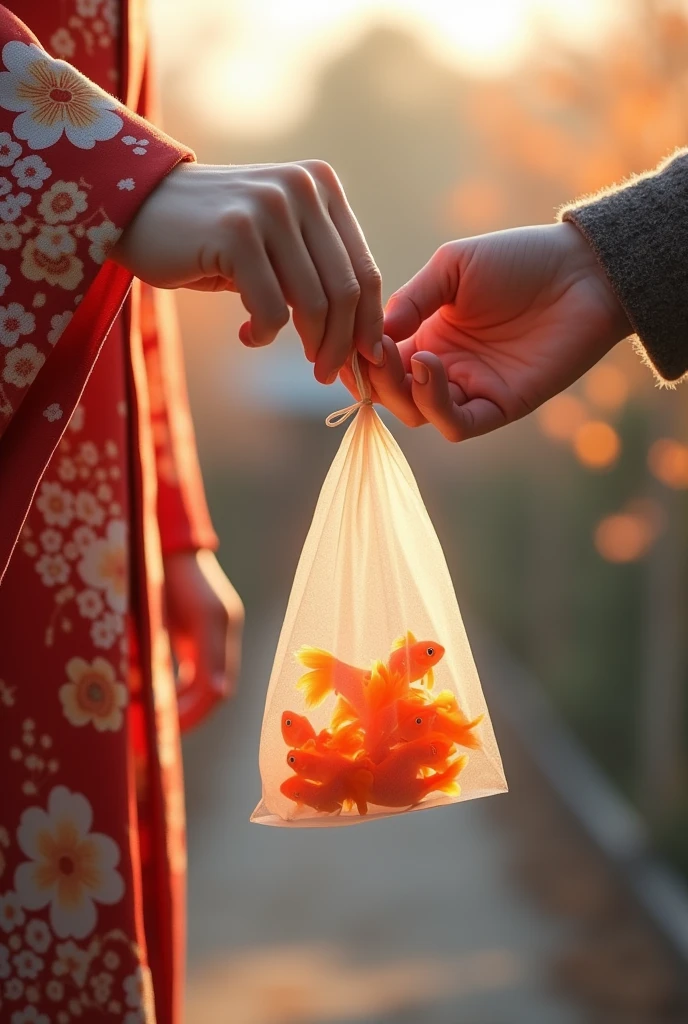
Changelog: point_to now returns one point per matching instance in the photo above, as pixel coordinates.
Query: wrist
(620, 326)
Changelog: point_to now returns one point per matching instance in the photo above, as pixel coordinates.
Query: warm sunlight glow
(561, 417)
(624, 537)
(261, 58)
(606, 386)
(597, 445)
(668, 460)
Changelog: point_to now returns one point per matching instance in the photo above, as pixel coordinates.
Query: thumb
(431, 288)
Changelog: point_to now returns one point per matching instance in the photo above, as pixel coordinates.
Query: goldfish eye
(292, 760)
(288, 721)
(419, 721)
(430, 651)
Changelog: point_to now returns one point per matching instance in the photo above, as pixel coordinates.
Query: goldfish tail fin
(430, 678)
(317, 683)
(343, 713)
(446, 700)
(378, 686)
(445, 782)
(347, 739)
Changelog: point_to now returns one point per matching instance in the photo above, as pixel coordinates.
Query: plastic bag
(374, 705)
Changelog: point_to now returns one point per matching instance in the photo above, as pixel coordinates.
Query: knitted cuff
(639, 234)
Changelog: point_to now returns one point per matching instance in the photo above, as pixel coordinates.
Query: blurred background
(566, 534)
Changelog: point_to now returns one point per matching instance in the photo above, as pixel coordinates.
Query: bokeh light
(597, 445)
(668, 461)
(561, 417)
(606, 386)
(624, 537)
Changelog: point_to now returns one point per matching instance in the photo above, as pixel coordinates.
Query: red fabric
(92, 855)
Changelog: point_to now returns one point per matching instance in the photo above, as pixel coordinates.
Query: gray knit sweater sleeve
(639, 233)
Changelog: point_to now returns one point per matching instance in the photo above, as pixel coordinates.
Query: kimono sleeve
(183, 516)
(75, 166)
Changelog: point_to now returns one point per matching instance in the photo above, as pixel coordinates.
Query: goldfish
(392, 788)
(321, 766)
(410, 660)
(414, 659)
(298, 732)
(344, 788)
(419, 753)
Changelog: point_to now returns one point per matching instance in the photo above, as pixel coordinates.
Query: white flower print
(102, 986)
(83, 537)
(62, 202)
(30, 172)
(71, 961)
(78, 419)
(71, 551)
(89, 453)
(5, 186)
(104, 492)
(38, 300)
(111, 960)
(87, 8)
(5, 279)
(104, 565)
(11, 207)
(22, 365)
(55, 241)
(4, 962)
(66, 470)
(70, 868)
(133, 988)
(51, 540)
(102, 634)
(126, 184)
(9, 150)
(53, 570)
(134, 1017)
(29, 1015)
(10, 237)
(59, 322)
(90, 603)
(37, 934)
(54, 990)
(62, 43)
(103, 238)
(53, 99)
(56, 504)
(27, 964)
(11, 913)
(88, 509)
(14, 988)
(93, 695)
(53, 412)
(15, 321)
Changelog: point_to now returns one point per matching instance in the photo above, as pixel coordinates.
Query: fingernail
(419, 371)
(332, 378)
(378, 354)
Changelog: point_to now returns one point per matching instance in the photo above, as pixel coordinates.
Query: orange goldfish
(392, 788)
(413, 659)
(298, 732)
(322, 766)
(410, 660)
(331, 796)
(419, 753)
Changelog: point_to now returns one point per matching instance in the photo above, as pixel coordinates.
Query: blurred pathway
(417, 919)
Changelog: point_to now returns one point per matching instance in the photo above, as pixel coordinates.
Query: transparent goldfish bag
(374, 705)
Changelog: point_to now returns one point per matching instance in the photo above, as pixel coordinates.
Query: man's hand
(205, 618)
(494, 326)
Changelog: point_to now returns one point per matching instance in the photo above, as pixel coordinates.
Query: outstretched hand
(492, 327)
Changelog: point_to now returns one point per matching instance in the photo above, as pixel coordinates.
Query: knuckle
(298, 178)
(238, 222)
(322, 171)
(275, 200)
(348, 293)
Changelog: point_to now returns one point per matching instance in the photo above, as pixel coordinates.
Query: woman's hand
(281, 235)
(492, 327)
(205, 618)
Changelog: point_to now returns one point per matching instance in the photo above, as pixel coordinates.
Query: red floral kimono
(98, 480)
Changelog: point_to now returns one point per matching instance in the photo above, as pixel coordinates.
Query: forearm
(639, 233)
